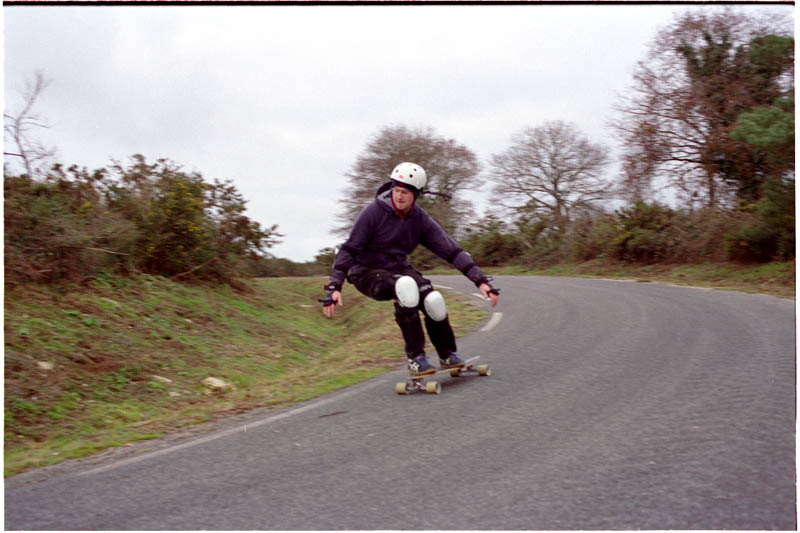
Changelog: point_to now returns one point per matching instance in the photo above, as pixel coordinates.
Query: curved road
(612, 405)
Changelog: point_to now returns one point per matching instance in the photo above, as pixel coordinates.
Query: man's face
(403, 198)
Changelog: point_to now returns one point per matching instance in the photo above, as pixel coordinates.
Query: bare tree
(550, 171)
(452, 168)
(19, 126)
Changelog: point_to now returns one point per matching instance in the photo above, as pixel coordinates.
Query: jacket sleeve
(348, 254)
(436, 240)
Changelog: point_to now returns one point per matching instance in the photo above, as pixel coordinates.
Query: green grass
(115, 344)
(777, 279)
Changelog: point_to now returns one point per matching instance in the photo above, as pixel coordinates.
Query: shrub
(591, 237)
(153, 218)
(57, 230)
(767, 231)
(646, 233)
(491, 243)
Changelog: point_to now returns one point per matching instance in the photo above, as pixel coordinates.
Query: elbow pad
(463, 262)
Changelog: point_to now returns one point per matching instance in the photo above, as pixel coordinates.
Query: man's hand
(336, 298)
(486, 290)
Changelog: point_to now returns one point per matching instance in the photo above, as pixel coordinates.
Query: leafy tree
(769, 132)
(700, 74)
(726, 83)
(550, 172)
(451, 167)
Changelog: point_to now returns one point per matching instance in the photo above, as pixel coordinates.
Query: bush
(646, 233)
(491, 243)
(702, 235)
(592, 237)
(653, 233)
(57, 230)
(151, 218)
(767, 231)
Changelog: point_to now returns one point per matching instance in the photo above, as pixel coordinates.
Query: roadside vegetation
(124, 359)
(776, 279)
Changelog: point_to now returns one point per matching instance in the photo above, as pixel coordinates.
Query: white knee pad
(407, 291)
(434, 306)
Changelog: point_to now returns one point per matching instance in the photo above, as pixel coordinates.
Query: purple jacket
(380, 238)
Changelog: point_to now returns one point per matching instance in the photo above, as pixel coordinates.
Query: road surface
(612, 405)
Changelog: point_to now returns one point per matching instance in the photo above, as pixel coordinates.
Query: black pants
(379, 285)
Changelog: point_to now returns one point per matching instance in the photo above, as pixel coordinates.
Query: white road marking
(443, 287)
(493, 321)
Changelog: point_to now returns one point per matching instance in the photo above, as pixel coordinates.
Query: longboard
(415, 383)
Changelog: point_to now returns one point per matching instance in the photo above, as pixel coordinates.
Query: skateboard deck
(415, 383)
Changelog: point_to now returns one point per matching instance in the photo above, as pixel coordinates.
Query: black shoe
(419, 366)
(452, 361)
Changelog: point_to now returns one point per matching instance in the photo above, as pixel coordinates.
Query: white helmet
(410, 174)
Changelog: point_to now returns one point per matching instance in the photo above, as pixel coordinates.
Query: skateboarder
(375, 260)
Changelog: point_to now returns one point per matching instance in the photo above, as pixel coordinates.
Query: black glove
(330, 287)
(487, 280)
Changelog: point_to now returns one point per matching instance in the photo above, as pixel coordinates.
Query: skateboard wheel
(455, 372)
(484, 370)
(433, 387)
(400, 388)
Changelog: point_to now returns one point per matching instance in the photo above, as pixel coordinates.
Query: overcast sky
(282, 99)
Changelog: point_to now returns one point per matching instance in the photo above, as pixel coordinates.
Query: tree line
(707, 166)
(708, 123)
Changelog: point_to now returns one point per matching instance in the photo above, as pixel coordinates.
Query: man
(375, 260)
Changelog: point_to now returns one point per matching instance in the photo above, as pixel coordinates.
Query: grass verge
(776, 279)
(124, 360)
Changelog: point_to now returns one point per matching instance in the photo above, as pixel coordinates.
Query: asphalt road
(612, 405)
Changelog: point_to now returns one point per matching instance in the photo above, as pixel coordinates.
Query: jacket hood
(383, 188)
